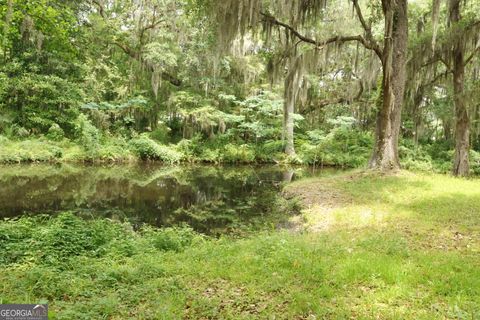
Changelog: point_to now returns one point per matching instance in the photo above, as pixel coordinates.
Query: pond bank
(403, 246)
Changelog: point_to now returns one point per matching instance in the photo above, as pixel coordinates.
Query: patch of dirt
(319, 198)
(316, 193)
(322, 192)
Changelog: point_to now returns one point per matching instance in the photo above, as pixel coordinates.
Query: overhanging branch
(320, 44)
(472, 55)
(134, 53)
(323, 103)
(368, 30)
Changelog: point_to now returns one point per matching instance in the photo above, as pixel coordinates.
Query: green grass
(405, 246)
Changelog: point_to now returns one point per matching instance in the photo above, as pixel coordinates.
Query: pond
(211, 199)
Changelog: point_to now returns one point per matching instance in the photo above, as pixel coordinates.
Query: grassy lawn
(404, 246)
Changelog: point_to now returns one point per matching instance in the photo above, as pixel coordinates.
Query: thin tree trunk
(400, 44)
(385, 153)
(289, 128)
(417, 116)
(292, 89)
(461, 166)
(447, 134)
(6, 27)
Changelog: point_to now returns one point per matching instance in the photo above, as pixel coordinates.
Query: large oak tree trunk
(385, 153)
(461, 165)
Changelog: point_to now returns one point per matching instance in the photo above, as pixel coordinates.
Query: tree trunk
(6, 27)
(293, 83)
(289, 128)
(461, 166)
(417, 115)
(385, 153)
(447, 129)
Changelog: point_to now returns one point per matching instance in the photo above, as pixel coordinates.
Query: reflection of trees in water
(201, 195)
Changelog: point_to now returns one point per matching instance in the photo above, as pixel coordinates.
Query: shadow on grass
(452, 208)
(369, 187)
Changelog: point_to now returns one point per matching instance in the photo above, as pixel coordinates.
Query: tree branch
(470, 58)
(434, 80)
(320, 44)
(101, 10)
(136, 54)
(128, 50)
(438, 58)
(323, 103)
(368, 29)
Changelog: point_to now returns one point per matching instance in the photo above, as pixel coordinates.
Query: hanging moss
(435, 16)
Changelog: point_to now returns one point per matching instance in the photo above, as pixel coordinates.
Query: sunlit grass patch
(371, 199)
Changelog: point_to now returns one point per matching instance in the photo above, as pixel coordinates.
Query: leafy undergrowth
(342, 147)
(404, 246)
(41, 149)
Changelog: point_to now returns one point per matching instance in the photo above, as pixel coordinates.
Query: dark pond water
(211, 199)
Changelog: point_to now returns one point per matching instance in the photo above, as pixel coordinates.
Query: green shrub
(273, 146)
(19, 131)
(171, 239)
(414, 157)
(270, 150)
(161, 134)
(53, 240)
(169, 154)
(6, 119)
(440, 151)
(34, 150)
(210, 155)
(55, 132)
(87, 135)
(191, 148)
(40, 100)
(435, 156)
(59, 241)
(238, 153)
(341, 147)
(185, 146)
(475, 161)
(147, 149)
(114, 150)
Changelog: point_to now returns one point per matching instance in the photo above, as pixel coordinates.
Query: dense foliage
(153, 80)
